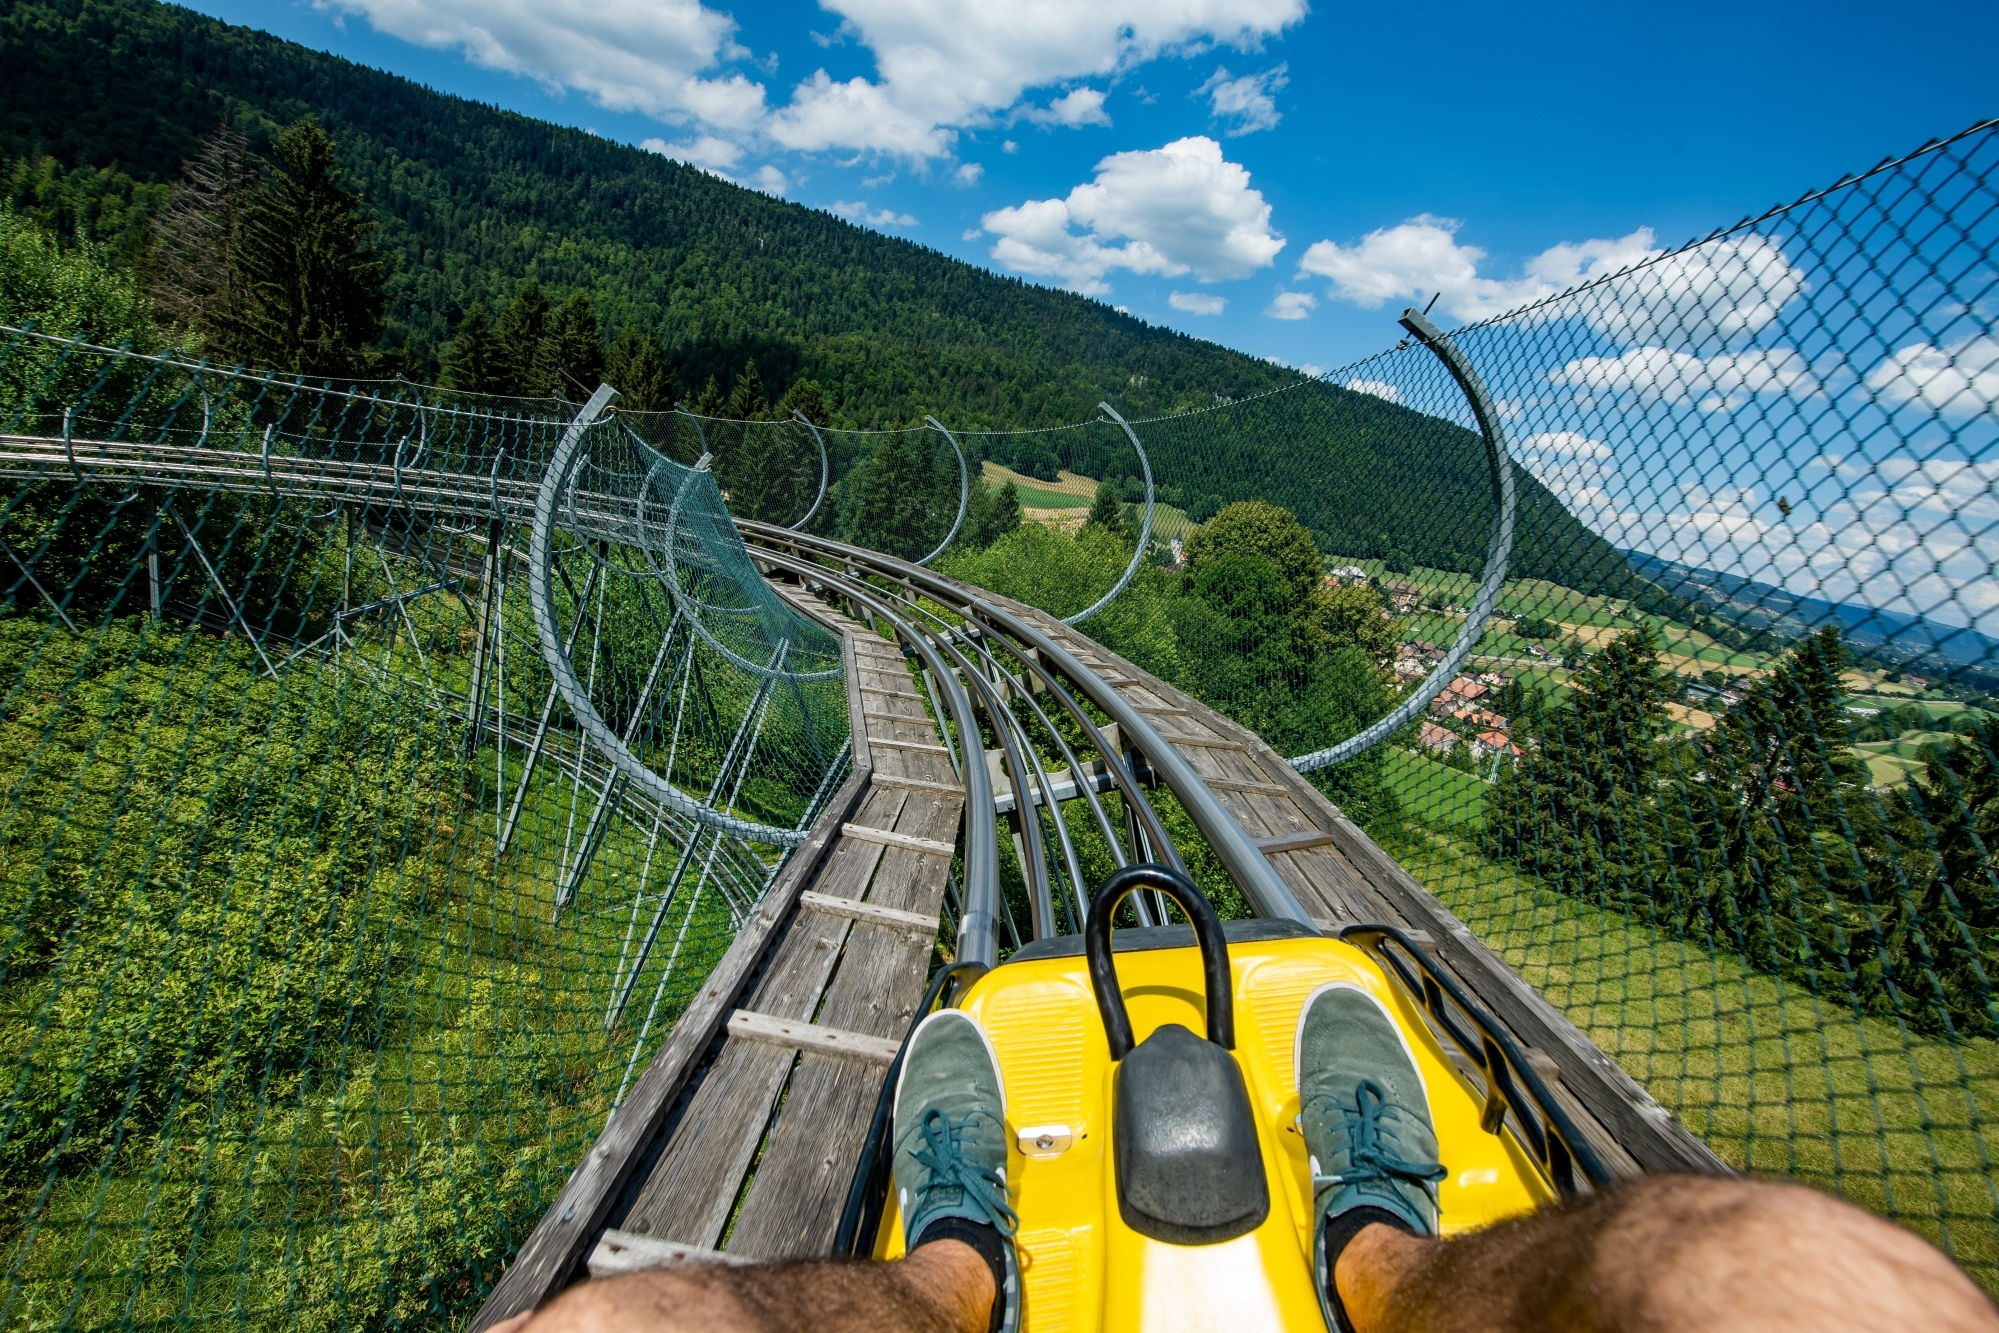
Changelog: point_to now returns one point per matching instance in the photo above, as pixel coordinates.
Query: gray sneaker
(1365, 1117)
(950, 1141)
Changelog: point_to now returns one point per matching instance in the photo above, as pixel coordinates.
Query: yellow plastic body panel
(1081, 1267)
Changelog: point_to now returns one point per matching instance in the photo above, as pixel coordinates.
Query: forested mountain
(471, 200)
(105, 101)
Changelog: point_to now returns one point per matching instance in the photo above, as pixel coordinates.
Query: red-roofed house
(1430, 736)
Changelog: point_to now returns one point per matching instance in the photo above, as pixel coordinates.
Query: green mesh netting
(334, 924)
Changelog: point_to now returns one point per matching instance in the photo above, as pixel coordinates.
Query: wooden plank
(692, 1188)
(884, 744)
(902, 840)
(695, 1183)
(856, 729)
(1246, 786)
(1292, 842)
(917, 784)
(866, 911)
(562, 1238)
(621, 1252)
(748, 1025)
(1201, 742)
(793, 1206)
(918, 718)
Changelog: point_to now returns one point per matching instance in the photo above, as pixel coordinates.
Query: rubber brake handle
(1207, 933)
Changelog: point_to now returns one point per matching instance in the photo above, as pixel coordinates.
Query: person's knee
(1717, 1253)
(658, 1300)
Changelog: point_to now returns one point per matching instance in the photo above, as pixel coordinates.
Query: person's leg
(942, 1287)
(1666, 1252)
(1669, 1252)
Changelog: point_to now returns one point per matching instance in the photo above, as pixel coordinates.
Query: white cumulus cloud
(1717, 383)
(1578, 469)
(707, 150)
(957, 61)
(770, 179)
(1247, 102)
(1379, 388)
(1709, 294)
(1178, 209)
(881, 217)
(1960, 380)
(1085, 106)
(1422, 257)
(627, 55)
(1565, 444)
(1712, 293)
(968, 173)
(1292, 305)
(1197, 303)
(824, 114)
(941, 66)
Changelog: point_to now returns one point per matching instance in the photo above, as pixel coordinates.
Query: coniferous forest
(105, 100)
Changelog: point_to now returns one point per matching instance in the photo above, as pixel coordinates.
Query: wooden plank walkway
(1342, 876)
(744, 1131)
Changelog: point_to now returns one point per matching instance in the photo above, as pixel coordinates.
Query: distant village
(1468, 723)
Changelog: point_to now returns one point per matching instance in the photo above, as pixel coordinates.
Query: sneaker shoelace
(943, 1155)
(1368, 1160)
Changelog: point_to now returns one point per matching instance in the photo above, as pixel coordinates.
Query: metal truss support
(513, 818)
(614, 783)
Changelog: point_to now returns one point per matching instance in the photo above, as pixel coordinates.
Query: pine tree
(1580, 809)
(194, 282)
(746, 399)
(311, 286)
(769, 472)
(472, 359)
(1107, 509)
(807, 398)
(994, 511)
(569, 363)
(710, 403)
(1948, 898)
(892, 509)
(640, 371)
(517, 339)
(1786, 832)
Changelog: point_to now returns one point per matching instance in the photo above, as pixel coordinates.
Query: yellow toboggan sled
(1161, 1179)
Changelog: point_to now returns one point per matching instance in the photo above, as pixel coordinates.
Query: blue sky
(1250, 158)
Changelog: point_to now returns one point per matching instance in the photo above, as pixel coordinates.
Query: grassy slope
(1778, 1081)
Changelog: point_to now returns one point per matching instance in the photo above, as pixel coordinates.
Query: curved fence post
(1498, 553)
(825, 469)
(542, 603)
(1144, 528)
(964, 493)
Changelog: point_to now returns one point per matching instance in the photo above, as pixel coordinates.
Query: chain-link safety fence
(385, 767)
